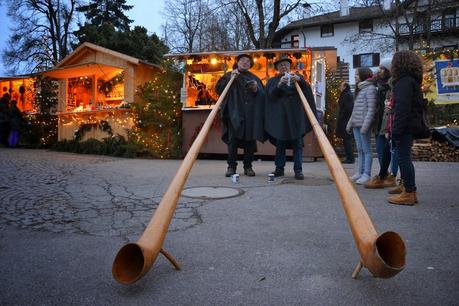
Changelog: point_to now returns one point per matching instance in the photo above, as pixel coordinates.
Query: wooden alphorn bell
(383, 255)
(135, 259)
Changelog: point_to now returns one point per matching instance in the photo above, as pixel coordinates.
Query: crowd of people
(390, 105)
(10, 121)
(387, 104)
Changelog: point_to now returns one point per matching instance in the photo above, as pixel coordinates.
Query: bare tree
(262, 18)
(402, 24)
(200, 25)
(41, 33)
(184, 18)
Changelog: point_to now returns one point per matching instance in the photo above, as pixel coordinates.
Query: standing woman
(346, 104)
(407, 121)
(360, 122)
(15, 125)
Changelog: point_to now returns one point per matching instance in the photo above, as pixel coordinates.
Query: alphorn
(383, 255)
(135, 259)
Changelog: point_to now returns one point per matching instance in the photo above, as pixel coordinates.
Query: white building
(365, 35)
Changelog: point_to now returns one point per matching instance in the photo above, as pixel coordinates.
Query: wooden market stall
(96, 87)
(22, 89)
(203, 70)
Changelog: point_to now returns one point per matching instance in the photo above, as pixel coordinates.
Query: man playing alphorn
(285, 118)
(242, 113)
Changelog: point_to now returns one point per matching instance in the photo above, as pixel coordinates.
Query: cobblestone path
(62, 192)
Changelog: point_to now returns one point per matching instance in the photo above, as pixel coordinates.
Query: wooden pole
(135, 259)
(384, 255)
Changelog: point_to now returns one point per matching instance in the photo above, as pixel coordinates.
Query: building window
(295, 41)
(449, 19)
(366, 60)
(326, 30)
(365, 25)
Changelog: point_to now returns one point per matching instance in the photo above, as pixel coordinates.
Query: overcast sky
(144, 13)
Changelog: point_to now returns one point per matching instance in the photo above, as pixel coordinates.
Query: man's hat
(245, 55)
(282, 58)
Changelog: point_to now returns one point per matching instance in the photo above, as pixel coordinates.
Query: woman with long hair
(361, 121)
(407, 122)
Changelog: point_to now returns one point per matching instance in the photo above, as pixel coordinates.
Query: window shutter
(356, 61)
(375, 59)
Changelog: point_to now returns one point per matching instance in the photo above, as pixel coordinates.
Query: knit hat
(386, 63)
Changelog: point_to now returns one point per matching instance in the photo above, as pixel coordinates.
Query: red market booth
(96, 87)
(201, 71)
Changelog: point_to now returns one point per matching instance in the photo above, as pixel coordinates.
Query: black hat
(282, 58)
(245, 55)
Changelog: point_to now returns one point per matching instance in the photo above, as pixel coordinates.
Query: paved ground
(63, 217)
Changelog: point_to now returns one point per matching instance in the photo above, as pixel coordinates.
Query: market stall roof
(85, 47)
(86, 69)
(16, 77)
(236, 52)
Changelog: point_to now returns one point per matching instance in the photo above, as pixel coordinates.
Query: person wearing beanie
(386, 156)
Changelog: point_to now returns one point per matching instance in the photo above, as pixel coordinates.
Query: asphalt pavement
(63, 217)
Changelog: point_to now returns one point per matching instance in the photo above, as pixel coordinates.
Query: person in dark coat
(242, 113)
(4, 121)
(15, 124)
(345, 103)
(286, 122)
(407, 122)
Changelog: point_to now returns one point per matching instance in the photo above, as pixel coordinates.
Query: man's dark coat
(242, 109)
(285, 117)
(346, 104)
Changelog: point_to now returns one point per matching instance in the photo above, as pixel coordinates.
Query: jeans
(363, 143)
(280, 158)
(249, 150)
(405, 163)
(13, 139)
(386, 157)
(348, 150)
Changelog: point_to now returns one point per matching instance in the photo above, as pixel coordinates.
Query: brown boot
(389, 181)
(375, 183)
(405, 198)
(398, 189)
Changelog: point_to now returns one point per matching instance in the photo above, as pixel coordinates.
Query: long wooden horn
(383, 255)
(135, 259)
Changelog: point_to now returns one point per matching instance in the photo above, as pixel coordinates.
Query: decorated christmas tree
(158, 115)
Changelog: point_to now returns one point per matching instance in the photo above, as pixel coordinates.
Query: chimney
(344, 8)
(387, 5)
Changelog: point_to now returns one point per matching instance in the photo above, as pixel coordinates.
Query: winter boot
(249, 172)
(375, 183)
(389, 181)
(230, 171)
(397, 190)
(299, 176)
(405, 198)
(278, 172)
